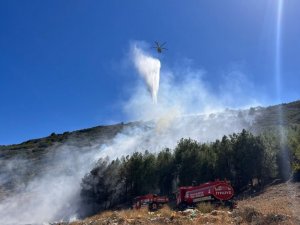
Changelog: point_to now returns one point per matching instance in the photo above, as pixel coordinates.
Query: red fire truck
(220, 192)
(151, 201)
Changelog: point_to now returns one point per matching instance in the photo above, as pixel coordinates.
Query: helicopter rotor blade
(163, 44)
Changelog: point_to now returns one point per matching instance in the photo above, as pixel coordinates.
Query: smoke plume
(48, 189)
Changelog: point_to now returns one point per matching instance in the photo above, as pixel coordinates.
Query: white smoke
(187, 108)
(149, 68)
(53, 195)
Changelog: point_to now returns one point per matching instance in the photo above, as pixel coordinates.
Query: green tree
(248, 158)
(139, 173)
(132, 169)
(149, 173)
(208, 157)
(224, 162)
(188, 161)
(165, 171)
(294, 145)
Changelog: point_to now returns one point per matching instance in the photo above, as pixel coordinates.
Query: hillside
(36, 150)
(268, 117)
(84, 137)
(264, 117)
(64, 170)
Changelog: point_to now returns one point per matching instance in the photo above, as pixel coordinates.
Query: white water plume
(149, 69)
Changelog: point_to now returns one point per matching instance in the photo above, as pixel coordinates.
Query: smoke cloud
(186, 107)
(53, 193)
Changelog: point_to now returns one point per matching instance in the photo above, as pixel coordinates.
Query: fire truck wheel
(231, 204)
(153, 207)
(182, 206)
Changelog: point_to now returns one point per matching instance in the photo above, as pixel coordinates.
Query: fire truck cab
(152, 201)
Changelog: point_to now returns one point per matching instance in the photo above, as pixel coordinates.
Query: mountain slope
(52, 168)
(265, 117)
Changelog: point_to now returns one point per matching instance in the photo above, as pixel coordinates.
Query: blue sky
(62, 62)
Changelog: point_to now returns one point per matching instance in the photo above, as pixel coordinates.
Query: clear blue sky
(61, 60)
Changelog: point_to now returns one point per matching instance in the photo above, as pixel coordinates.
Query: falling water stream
(285, 162)
(278, 60)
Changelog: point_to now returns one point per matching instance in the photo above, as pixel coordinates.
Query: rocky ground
(278, 204)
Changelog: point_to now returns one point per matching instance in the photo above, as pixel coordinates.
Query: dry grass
(166, 211)
(281, 199)
(252, 216)
(205, 207)
(278, 201)
(119, 217)
(164, 215)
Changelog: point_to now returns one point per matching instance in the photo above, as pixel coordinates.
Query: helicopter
(159, 47)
